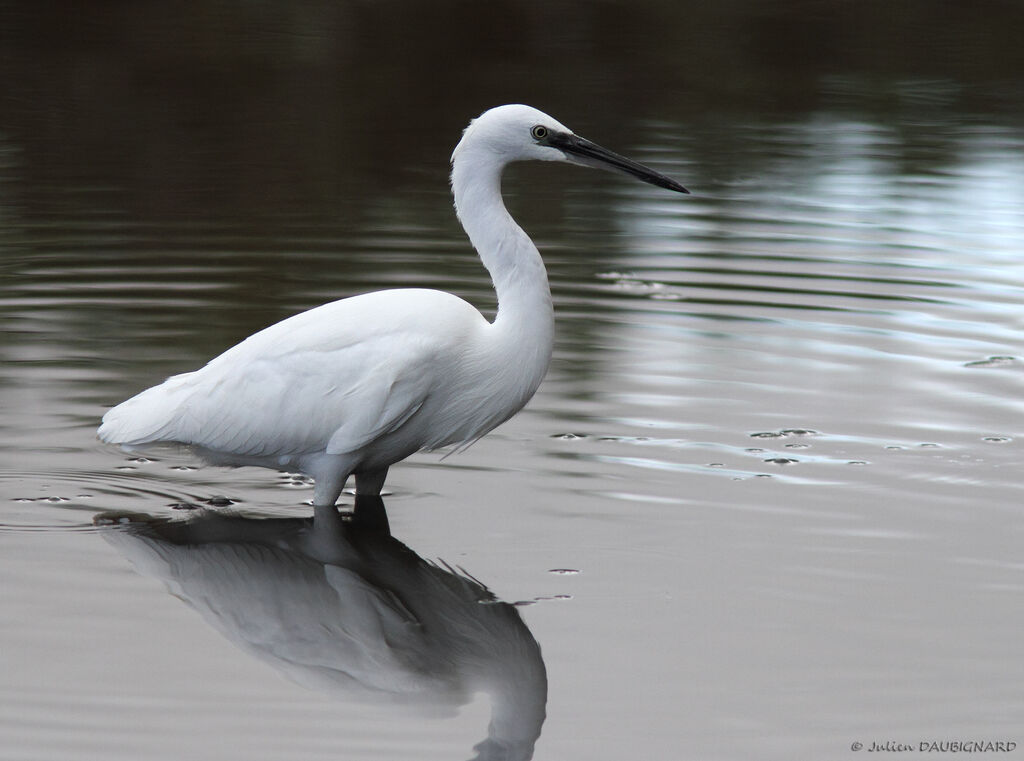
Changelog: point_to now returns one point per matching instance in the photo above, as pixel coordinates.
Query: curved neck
(516, 269)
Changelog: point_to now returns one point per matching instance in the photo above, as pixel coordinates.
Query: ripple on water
(998, 361)
(796, 455)
(67, 500)
(784, 433)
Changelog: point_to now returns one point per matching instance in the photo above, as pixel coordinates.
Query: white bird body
(353, 386)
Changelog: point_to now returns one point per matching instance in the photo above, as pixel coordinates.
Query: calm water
(766, 504)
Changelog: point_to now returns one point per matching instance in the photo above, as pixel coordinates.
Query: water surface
(765, 505)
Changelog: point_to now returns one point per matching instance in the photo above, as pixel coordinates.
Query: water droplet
(798, 446)
(753, 450)
(57, 499)
(564, 571)
(929, 445)
(997, 439)
(295, 481)
(220, 501)
(784, 433)
(781, 460)
(184, 468)
(857, 462)
(716, 464)
(569, 436)
(798, 432)
(893, 447)
(140, 460)
(183, 506)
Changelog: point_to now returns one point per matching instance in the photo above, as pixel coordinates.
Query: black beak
(582, 151)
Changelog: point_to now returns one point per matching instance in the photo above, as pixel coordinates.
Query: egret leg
(329, 472)
(370, 482)
(326, 491)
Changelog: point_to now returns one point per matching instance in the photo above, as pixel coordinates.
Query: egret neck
(525, 318)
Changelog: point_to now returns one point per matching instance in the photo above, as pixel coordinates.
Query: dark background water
(317, 109)
(767, 503)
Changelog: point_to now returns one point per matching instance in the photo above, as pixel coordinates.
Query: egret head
(520, 133)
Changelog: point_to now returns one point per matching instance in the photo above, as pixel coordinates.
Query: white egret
(356, 385)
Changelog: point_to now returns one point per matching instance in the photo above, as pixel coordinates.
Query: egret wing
(328, 380)
(334, 400)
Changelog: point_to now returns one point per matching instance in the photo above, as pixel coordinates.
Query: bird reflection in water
(337, 604)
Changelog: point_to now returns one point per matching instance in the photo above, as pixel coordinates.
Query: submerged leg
(370, 482)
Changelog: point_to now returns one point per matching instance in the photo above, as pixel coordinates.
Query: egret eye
(539, 132)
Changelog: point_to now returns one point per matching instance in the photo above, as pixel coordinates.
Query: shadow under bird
(356, 385)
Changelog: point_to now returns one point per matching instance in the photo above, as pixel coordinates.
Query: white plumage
(353, 386)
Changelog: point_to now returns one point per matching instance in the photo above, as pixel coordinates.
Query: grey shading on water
(780, 446)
